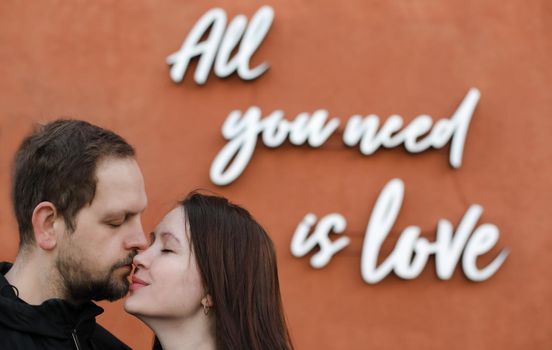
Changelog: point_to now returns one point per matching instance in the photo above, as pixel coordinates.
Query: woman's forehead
(172, 224)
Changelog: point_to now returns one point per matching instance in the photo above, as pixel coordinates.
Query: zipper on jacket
(76, 339)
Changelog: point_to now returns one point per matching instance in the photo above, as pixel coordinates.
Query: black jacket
(54, 324)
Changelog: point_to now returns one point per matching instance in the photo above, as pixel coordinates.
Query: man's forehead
(111, 170)
(120, 187)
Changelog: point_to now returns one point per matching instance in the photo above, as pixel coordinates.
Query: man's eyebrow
(121, 213)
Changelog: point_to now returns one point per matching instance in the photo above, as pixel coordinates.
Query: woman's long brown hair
(237, 263)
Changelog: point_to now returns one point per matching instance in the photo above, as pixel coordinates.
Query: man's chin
(115, 289)
(111, 295)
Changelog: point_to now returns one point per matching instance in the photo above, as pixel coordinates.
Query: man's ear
(43, 219)
(207, 301)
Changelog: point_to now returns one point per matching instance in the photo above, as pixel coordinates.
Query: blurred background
(104, 61)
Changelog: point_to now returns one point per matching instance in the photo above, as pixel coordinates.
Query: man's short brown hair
(57, 163)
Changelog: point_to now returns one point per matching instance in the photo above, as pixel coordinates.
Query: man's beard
(79, 283)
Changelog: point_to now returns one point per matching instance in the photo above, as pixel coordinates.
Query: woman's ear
(44, 216)
(207, 301)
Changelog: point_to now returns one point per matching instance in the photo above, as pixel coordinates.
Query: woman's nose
(140, 259)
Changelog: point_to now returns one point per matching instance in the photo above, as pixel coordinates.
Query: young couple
(205, 279)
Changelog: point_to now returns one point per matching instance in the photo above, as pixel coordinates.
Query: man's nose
(136, 239)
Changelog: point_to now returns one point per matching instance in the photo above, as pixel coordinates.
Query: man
(78, 194)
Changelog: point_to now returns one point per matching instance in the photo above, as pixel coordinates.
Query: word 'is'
(411, 252)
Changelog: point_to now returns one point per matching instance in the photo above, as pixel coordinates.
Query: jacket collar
(53, 318)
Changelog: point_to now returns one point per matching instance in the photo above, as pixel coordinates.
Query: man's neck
(34, 277)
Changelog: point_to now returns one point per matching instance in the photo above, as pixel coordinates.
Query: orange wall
(104, 62)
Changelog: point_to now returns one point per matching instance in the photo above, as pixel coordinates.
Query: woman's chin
(138, 308)
(132, 306)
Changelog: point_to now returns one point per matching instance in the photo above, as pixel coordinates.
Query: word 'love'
(411, 253)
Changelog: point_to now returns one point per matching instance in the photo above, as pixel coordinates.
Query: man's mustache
(126, 261)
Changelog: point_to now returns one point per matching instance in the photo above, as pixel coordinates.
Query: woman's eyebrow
(167, 235)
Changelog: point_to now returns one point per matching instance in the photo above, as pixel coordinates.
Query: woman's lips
(137, 283)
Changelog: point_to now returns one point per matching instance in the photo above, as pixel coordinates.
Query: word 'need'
(242, 130)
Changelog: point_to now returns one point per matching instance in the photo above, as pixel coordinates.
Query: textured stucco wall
(104, 61)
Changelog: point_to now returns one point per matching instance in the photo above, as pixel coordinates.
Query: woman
(209, 280)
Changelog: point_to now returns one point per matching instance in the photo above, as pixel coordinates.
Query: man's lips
(137, 283)
(126, 269)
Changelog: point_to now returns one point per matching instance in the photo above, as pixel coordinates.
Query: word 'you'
(243, 129)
